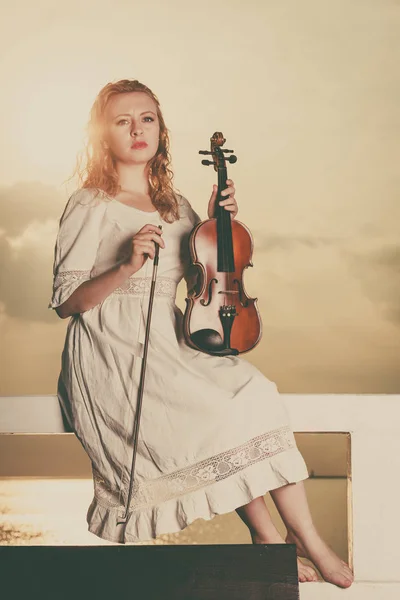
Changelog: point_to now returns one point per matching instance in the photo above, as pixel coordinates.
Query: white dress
(214, 433)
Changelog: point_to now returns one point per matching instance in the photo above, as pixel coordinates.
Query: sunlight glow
(49, 127)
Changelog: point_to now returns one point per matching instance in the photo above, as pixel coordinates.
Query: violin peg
(207, 162)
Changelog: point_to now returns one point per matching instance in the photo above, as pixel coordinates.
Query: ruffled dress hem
(213, 499)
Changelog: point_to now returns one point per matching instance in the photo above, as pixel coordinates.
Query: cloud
(372, 262)
(378, 271)
(29, 216)
(27, 201)
(270, 241)
(307, 271)
(389, 257)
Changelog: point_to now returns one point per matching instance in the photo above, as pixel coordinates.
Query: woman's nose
(136, 129)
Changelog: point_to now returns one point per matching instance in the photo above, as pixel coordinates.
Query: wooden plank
(62, 455)
(308, 413)
(31, 414)
(207, 572)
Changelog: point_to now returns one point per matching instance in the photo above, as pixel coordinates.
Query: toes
(348, 573)
(306, 573)
(303, 577)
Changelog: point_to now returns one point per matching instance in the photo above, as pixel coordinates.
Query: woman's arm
(95, 290)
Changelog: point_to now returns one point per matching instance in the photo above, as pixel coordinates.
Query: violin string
(224, 239)
(227, 253)
(227, 244)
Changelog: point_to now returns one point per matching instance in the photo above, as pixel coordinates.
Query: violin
(220, 319)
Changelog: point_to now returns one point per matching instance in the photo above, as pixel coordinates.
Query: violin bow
(122, 520)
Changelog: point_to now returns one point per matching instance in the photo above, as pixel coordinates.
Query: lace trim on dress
(64, 284)
(139, 286)
(135, 286)
(70, 277)
(194, 477)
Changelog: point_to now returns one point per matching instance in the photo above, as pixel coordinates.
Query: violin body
(220, 319)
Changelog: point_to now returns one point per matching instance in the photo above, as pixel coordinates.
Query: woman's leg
(291, 502)
(256, 516)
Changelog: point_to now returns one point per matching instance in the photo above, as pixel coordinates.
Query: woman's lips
(139, 145)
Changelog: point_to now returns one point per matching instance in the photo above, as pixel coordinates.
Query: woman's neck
(133, 178)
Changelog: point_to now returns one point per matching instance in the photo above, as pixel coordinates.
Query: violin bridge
(228, 292)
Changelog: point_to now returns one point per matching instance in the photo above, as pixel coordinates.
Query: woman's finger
(229, 191)
(228, 202)
(151, 235)
(145, 247)
(214, 193)
(156, 238)
(150, 227)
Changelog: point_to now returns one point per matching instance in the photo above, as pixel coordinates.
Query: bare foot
(332, 568)
(305, 572)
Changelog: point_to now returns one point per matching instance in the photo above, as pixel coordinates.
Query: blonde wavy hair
(95, 166)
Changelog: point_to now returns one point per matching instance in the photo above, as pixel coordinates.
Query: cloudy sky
(307, 94)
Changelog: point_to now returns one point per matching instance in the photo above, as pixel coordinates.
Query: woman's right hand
(143, 246)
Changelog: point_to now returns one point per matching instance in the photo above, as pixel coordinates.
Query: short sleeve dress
(214, 432)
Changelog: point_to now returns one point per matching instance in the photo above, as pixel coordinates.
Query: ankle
(268, 535)
(302, 530)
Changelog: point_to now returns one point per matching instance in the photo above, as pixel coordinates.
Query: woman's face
(132, 127)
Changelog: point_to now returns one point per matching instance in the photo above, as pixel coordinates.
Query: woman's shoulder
(186, 210)
(184, 204)
(83, 199)
(89, 197)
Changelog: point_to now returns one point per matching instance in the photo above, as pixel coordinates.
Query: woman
(214, 435)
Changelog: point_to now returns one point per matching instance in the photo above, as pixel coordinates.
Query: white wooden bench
(373, 421)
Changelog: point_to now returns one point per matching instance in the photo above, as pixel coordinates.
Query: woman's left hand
(229, 203)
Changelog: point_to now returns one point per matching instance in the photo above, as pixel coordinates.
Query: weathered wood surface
(206, 572)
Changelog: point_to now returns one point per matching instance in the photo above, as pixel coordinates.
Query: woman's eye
(145, 119)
